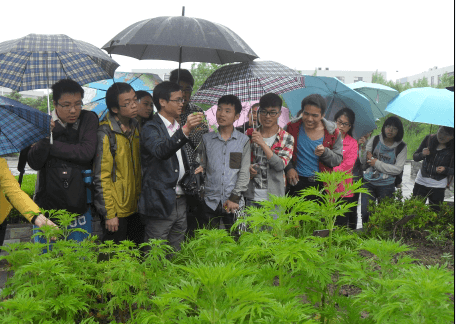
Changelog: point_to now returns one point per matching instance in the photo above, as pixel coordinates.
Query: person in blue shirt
(225, 158)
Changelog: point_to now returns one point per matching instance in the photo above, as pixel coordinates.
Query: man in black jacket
(60, 183)
(162, 203)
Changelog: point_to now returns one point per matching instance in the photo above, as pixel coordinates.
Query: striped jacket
(272, 175)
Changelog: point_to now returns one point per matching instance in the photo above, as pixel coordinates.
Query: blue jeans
(376, 193)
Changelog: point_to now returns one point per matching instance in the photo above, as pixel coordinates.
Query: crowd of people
(142, 165)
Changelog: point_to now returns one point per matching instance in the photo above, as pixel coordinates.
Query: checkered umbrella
(20, 125)
(248, 81)
(38, 61)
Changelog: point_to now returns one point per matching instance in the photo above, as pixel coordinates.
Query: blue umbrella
(378, 95)
(139, 81)
(337, 96)
(425, 105)
(20, 126)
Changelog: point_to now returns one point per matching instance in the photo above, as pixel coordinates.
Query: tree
(421, 83)
(315, 73)
(38, 103)
(200, 73)
(446, 81)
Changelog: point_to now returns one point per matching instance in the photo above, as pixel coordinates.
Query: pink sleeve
(350, 155)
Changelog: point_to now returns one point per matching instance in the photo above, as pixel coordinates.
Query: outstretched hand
(193, 120)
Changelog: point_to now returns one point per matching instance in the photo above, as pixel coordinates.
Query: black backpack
(397, 150)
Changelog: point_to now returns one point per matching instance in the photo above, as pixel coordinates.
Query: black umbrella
(180, 39)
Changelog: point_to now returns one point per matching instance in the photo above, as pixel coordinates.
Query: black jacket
(160, 168)
(443, 157)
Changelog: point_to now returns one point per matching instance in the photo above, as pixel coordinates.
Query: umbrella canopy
(378, 95)
(337, 96)
(38, 61)
(248, 81)
(94, 98)
(212, 120)
(425, 105)
(180, 39)
(20, 126)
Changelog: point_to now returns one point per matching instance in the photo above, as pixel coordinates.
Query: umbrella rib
(25, 68)
(144, 51)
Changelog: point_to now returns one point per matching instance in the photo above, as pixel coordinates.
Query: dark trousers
(2, 232)
(195, 215)
(304, 183)
(171, 228)
(213, 217)
(435, 195)
(130, 228)
(376, 193)
(350, 219)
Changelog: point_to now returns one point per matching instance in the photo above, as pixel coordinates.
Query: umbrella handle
(51, 139)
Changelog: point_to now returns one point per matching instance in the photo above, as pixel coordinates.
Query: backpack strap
(399, 148)
(375, 142)
(112, 147)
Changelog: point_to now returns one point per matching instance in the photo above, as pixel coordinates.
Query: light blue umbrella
(425, 105)
(378, 95)
(337, 96)
(139, 81)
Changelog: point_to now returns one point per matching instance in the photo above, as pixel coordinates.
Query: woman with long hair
(345, 119)
(385, 160)
(437, 153)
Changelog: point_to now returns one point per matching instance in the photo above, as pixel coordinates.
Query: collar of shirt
(234, 134)
(172, 127)
(56, 118)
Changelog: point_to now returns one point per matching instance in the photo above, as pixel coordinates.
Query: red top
(350, 154)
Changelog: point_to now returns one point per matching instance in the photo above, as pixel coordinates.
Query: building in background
(433, 76)
(25, 94)
(344, 76)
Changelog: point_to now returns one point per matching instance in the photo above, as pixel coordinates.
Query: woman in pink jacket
(345, 119)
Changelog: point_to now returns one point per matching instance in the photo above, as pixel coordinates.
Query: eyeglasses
(76, 106)
(270, 113)
(129, 103)
(178, 100)
(342, 124)
(394, 129)
(188, 89)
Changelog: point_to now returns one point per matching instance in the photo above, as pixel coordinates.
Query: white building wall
(25, 94)
(345, 76)
(162, 73)
(432, 75)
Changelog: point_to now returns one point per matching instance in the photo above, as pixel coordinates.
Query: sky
(401, 37)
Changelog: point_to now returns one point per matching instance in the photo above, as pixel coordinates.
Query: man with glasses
(61, 165)
(272, 150)
(117, 171)
(186, 82)
(163, 204)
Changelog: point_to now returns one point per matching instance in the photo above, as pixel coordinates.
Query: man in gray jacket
(317, 147)
(272, 150)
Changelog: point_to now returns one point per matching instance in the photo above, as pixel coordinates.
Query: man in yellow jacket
(10, 188)
(117, 170)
